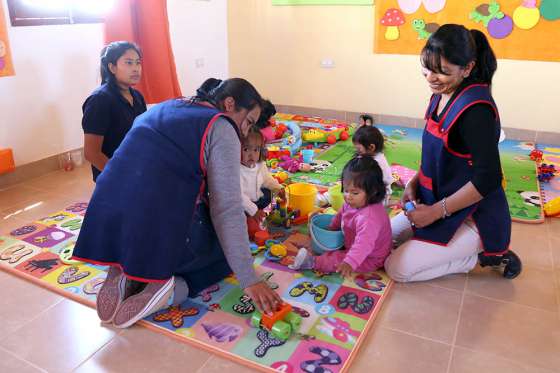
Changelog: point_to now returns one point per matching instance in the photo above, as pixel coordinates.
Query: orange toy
(281, 324)
(6, 161)
(261, 237)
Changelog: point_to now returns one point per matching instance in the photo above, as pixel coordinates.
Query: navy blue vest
(145, 200)
(444, 171)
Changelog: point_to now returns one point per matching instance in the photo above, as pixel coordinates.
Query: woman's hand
(424, 215)
(409, 193)
(344, 269)
(266, 299)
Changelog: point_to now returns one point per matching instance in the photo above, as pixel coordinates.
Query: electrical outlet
(327, 63)
(199, 62)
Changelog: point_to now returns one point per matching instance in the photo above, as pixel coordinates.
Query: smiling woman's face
(448, 79)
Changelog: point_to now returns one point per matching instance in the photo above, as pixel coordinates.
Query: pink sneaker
(111, 294)
(153, 298)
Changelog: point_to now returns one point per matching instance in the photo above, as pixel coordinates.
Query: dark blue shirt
(107, 113)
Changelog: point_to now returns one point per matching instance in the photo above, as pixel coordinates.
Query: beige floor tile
(37, 207)
(519, 333)
(553, 225)
(59, 178)
(533, 287)
(21, 302)
(391, 351)
(9, 224)
(11, 363)
(452, 282)
(218, 364)
(61, 338)
(531, 243)
(555, 247)
(14, 195)
(467, 361)
(141, 350)
(422, 310)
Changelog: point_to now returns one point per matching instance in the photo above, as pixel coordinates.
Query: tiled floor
(473, 323)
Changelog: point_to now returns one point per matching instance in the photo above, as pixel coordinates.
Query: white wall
(198, 30)
(40, 107)
(57, 68)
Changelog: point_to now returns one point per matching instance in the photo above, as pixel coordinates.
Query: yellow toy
(552, 207)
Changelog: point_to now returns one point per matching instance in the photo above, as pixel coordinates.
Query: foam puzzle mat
(550, 189)
(336, 313)
(403, 148)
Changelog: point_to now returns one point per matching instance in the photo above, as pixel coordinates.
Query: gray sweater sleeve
(223, 158)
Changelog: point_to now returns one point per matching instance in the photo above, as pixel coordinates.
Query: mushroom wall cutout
(392, 19)
(550, 9)
(527, 15)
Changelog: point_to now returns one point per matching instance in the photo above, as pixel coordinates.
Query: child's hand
(344, 269)
(259, 215)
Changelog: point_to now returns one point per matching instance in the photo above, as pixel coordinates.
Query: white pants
(414, 260)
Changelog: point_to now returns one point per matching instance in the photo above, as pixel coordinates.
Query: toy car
(281, 324)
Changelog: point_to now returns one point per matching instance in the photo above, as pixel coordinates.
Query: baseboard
(35, 169)
(551, 138)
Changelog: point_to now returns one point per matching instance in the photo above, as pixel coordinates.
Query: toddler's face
(250, 153)
(361, 150)
(355, 197)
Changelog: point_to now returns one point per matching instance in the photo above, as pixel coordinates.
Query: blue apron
(148, 212)
(444, 171)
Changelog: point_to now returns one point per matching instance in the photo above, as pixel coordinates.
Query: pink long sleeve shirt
(367, 236)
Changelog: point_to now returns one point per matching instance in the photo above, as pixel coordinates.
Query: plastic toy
(275, 152)
(552, 207)
(275, 251)
(281, 177)
(546, 172)
(409, 206)
(281, 215)
(330, 135)
(281, 324)
(536, 155)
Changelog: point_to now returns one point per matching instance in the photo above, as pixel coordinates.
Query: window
(57, 12)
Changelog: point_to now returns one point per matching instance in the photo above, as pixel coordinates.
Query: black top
(475, 133)
(107, 113)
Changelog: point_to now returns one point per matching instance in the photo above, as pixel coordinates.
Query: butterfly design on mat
(411, 6)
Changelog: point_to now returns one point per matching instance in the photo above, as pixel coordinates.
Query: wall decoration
(6, 66)
(517, 29)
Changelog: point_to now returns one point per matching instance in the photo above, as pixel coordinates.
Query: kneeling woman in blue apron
(165, 214)
(461, 215)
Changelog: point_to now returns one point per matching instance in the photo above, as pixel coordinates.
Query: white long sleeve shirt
(252, 180)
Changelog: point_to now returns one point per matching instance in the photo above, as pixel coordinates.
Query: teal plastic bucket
(322, 239)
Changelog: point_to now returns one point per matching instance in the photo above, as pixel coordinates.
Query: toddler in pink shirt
(363, 220)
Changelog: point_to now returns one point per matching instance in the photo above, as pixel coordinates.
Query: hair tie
(213, 91)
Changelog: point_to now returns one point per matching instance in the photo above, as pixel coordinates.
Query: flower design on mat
(175, 314)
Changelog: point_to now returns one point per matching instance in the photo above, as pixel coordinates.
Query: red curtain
(145, 22)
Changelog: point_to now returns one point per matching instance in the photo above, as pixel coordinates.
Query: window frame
(71, 17)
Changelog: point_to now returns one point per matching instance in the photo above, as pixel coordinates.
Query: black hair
(110, 54)
(215, 91)
(369, 135)
(460, 46)
(366, 117)
(363, 172)
(256, 133)
(267, 111)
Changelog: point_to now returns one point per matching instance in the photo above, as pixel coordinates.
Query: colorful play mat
(402, 149)
(336, 314)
